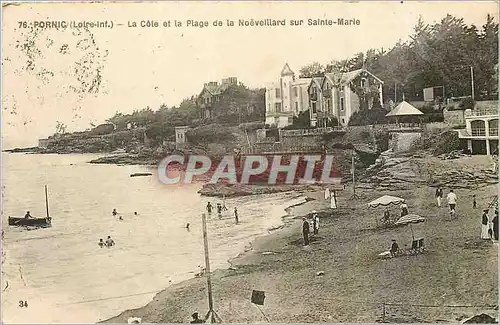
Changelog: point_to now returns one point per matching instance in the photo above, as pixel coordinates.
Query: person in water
(27, 215)
(114, 212)
(187, 226)
(219, 210)
(120, 218)
(101, 243)
(135, 213)
(110, 242)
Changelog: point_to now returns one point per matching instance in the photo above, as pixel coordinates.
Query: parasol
(385, 201)
(410, 219)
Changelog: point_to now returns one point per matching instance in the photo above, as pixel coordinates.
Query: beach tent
(385, 200)
(403, 109)
(410, 219)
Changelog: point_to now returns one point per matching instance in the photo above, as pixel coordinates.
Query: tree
(314, 69)
(60, 127)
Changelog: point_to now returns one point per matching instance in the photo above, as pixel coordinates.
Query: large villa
(327, 97)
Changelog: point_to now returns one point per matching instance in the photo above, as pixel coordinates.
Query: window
(478, 128)
(314, 107)
(277, 107)
(278, 93)
(363, 82)
(341, 104)
(297, 107)
(493, 127)
(296, 91)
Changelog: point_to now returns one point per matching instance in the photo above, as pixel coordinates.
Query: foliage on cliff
(368, 117)
(212, 133)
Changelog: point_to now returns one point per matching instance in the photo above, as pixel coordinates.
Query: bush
(368, 117)
(467, 103)
(251, 126)
(447, 142)
(209, 134)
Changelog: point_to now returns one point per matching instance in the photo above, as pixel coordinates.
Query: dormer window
(363, 82)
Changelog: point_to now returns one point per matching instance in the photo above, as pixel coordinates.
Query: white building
(286, 98)
(327, 98)
(481, 132)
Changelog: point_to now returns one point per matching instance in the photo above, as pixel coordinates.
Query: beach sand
(458, 269)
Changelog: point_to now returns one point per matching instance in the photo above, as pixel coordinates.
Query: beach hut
(405, 112)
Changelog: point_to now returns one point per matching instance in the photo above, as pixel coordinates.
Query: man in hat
(196, 319)
(485, 225)
(495, 225)
(305, 231)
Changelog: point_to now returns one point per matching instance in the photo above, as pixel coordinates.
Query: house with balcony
(481, 131)
(211, 96)
(334, 95)
(286, 98)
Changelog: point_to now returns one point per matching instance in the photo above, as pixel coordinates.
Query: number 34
(23, 304)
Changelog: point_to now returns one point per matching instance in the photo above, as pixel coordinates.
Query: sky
(150, 66)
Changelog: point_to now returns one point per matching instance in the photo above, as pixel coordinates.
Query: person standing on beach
(224, 207)
(439, 196)
(485, 225)
(495, 225)
(474, 203)
(209, 208)
(305, 231)
(452, 201)
(236, 215)
(316, 223)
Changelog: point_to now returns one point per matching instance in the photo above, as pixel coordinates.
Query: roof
(351, 75)
(317, 81)
(333, 78)
(301, 81)
(286, 71)
(215, 89)
(404, 109)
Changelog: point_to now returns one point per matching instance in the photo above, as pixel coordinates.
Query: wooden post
(383, 312)
(47, 202)
(207, 270)
(472, 81)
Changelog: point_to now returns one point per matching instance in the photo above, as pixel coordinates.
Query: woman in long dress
(485, 225)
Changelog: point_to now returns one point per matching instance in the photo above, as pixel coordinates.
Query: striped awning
(410, 218)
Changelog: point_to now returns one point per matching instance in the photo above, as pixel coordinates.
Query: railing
(483, 112)
(268, 148)
(304, 132)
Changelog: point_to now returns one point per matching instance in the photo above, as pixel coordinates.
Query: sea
(61, 275)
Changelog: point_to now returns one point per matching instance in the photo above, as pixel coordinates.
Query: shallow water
(62, 273)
